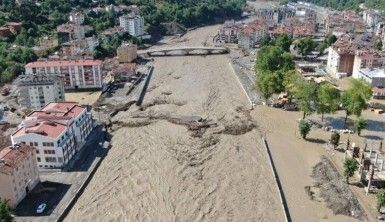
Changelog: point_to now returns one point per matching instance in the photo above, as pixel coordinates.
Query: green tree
(284, 42)
(330, 39)
(5, 212)
(350, 166)
(305, 46)
(304, 128)
(359, 125)
(354, 100)
(379, 45)
(380, 199)
(307, 96)
(321, 47)
(335, 139)
(328, 100)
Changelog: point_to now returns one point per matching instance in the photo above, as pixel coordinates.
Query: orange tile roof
(45, 128)
(58, 63)
(11, 157)
(58, 111)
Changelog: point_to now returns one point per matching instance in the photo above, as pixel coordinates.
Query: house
(228, 33)
(133, 24)
(342, 53)
(36, 90)
(127, 53)
(374, 76)
(57, 131)
(76, 18)
(368, 59)
(252, 33)
(68, 32)
(124, 72)
(18, 173)
(79, 47)
(78, 74)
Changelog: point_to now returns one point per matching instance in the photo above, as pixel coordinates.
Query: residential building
(374, 76)
(124, 72)
(275, 16)
(68, 32)
(58, 131)
(252, 33)
(79, 47)
(5, 32)
(228, 33)
(373, 17)
(18, 173)
(368, 59)
(339, 23)
(36, 90)
(11, 28)
(127, 52)
(341, 54)
(78, 74)
(295, 28)
(133, 24)
(76, 18)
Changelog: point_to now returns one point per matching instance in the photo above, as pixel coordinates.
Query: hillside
(349, 4)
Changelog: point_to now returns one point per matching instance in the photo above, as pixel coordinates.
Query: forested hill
(349, 4)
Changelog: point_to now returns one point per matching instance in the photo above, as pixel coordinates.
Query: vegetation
(359, 125)
(380, 199)
(304, 128)
(307, 96)
(348, 4)
(305, 45)
(328, 100)
(273, 65)
(5, 212)
(335, 139)
(350, 166)
(354, 100)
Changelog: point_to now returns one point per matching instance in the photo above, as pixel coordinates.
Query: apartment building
(275, 16)
(79, 47)
(133, 24)
(342, 53)
(228, 33)
(252, 33)
(36, 90)
(339, 23)
(78, 74)
(68, 32)
(373, 17)
(18, 173)
(127, 52)
(368, 59)
(58, 131)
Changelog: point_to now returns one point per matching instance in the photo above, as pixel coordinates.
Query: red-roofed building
(58, 131)
(252, 33)
(78, 74)
(18, 173)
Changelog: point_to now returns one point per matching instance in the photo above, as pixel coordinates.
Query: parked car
(40, 209)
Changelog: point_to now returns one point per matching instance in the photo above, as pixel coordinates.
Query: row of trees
(306, 45)
(347, 4)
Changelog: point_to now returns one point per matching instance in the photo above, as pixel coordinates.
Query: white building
(37, 90)
(133, 24)
(18, 173)
(76, 18)
(78, 74)
(375, 77)
(58, 132)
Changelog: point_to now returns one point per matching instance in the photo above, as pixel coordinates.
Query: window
(35, 143)
(38, 159)
(50, 159)
(31, 143)
(60, 159)
(49, 151)
(37, 151)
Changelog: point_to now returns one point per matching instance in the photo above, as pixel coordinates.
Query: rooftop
(44, 128)
(374, 73)
(58, 63)
(11, 157)
(37, 79)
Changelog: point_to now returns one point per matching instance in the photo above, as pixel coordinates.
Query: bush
(359, 125)
(5, 212)
(380, 199)
(350, 165)
(335, 139)
(304, 128)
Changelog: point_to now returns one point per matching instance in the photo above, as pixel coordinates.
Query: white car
(40, 209)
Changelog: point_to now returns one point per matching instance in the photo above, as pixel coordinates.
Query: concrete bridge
(184, 51)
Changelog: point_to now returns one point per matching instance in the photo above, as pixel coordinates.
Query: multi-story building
(68, 32)
(77, 74)
(79, 47)
(252, 33)
(228, 33)
(133, 24)
(36, 90)
(127, 52)
(76, 18)
(373, 17)
(368, 59)
(18, 173)
(374, 76)
(339, 23)
(296, 28)
(275, 16)
(58, 131)
(341, 54)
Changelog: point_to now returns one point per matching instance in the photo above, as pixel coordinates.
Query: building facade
(368, 59)
(133, 24)
(36, 90)
(252, 33)
(57, 132)
(18, 173)
(76, 18)
(78, 74)
(68, 32)
(374, 76)
(127, 53)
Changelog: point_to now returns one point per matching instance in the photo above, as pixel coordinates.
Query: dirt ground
(84, 98)
(192, 153)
